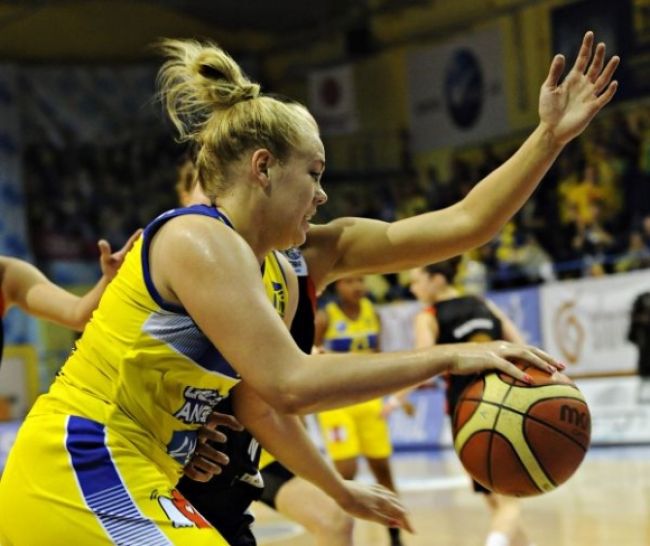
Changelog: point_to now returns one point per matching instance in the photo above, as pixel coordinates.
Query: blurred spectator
(637, 255)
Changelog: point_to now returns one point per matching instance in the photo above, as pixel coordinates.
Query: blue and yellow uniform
(98, 458)
(359, 429)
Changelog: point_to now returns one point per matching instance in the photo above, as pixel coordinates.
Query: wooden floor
(607, 503)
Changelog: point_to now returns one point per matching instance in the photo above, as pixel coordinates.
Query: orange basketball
(521, 440)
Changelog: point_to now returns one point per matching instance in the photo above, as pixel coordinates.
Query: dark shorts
(275, 476)
(224, 506)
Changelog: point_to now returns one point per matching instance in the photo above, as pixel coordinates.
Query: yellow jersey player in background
(351, 324)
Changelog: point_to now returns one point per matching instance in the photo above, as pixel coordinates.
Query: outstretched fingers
(603, 81)
(555, 71)
(607, 95)
(597, 63)
(391, 511)
(584, 55)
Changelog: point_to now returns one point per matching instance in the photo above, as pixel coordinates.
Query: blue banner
(423, 430)
(522, 307)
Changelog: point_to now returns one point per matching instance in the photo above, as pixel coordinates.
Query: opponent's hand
(207, 461)
(375, 503)
(110, 262)
(567, 108)
(470, 358)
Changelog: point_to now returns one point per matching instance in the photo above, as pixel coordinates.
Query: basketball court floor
(606, 503)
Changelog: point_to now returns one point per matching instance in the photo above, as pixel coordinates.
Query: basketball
(521, 440)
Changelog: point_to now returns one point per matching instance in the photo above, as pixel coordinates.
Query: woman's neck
(351, 309)
(447, 293)
(250, 225)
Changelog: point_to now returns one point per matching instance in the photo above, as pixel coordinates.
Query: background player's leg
(505, 528)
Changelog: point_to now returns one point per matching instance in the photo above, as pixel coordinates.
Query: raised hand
(566, 109)
(375, 503)
(472, 358)
(109, 262)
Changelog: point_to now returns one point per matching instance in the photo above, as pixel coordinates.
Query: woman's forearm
(333, 380)
(285, 437)
(494, 200)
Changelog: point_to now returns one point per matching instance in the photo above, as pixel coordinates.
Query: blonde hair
(212, 103)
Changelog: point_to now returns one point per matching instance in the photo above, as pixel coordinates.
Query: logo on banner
(332, 99)
(464, 88)
(569, 333)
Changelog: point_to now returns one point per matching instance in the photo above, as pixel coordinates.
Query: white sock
(497, 539)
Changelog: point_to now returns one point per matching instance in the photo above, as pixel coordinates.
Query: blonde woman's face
(298, 189)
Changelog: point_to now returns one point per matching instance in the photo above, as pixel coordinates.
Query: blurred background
(417, 101)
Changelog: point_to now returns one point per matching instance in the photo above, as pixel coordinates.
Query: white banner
(585, 322)
(398, 325)
(457, 91)
(620, 409)
(332, 100)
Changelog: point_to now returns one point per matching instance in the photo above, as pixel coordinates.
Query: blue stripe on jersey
(344, 344)
(340, 344)
(102, 487)
(182, 333)
(151, 230)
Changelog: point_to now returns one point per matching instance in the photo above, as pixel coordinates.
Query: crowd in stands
(88, 192)
(589, 217)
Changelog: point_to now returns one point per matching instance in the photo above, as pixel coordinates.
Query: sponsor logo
(182, 446)
(179, 511)
(569, 332)
(574, 417)
(279, 298)
(198, 405)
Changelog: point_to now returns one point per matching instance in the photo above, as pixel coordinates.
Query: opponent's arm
(222, 291)
(28, 288)
(349, 246)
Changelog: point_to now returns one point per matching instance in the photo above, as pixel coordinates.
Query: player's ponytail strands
(211, 102)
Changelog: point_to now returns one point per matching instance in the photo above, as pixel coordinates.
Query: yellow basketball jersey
(143, 367)
(344, 334)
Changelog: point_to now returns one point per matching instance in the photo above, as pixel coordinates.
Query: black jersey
(225, 499)
(303, 329)
(464, 319)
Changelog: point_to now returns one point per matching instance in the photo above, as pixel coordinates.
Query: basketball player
(24, 285)
(246, 473)
(198, 299)
(351, 324)
(450, 317)
(330, 253)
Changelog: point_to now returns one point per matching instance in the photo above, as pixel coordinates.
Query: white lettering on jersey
(471, 325)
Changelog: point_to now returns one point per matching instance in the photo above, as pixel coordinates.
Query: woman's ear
(261, 162)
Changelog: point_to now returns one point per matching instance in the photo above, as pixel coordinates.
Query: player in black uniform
(450, 317)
